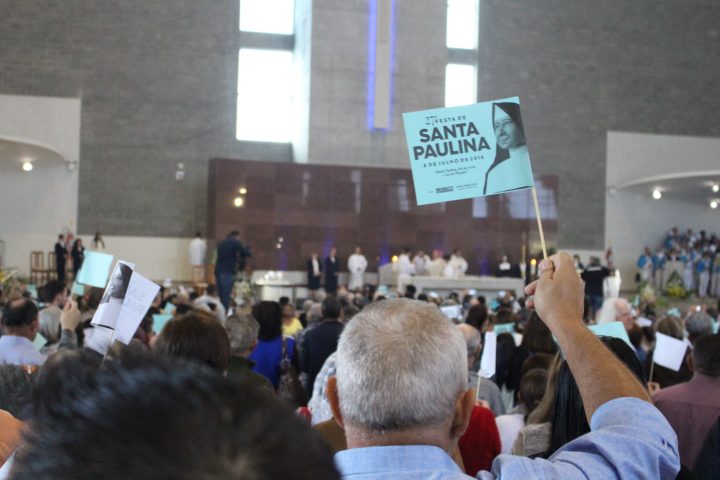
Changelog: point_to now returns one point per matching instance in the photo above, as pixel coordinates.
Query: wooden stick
(537, 214)
(110, 342)
(652, 367)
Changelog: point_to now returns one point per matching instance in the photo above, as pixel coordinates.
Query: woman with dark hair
(511, 168)
(567, 419)
(272, 346)
(537, 338)
(197, 336)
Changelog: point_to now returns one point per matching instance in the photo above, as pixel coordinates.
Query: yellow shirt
(292, 329)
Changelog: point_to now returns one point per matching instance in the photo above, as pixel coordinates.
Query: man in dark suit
(332, 270)
(61, 254)
(320, 342)
(231, 255)
(314, 272)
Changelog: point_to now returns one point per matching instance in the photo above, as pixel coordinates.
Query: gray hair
(400, 364)
(242, 331)
(49, 324)
(315, 313)
(472, 336)
(698, 323)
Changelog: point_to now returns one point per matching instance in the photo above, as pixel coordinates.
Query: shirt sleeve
(629, 439)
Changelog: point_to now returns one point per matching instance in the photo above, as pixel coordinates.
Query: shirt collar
(16, 341)
(397, 458)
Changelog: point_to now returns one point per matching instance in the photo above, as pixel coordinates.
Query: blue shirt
(16, 350)
(630, 439)
(267, 356)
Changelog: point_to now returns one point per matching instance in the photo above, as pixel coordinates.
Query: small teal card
(159, 321)
(32, 290)
(39, 341)
(95, 269)
(612, 329)
(78, 289)
(504, 328)
(468, 151)
(716, 326)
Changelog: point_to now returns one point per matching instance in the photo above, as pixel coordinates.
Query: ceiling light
(713, 204)
(716, 188)
(242, 191)
(656, 194)
(27, 166)
(239, 202)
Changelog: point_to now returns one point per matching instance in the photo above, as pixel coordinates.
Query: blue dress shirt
(16, 350)
(630, 439)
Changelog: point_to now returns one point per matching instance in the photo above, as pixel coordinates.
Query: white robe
(404, 265)
(357, 264)
(459, 266)
(197, 251)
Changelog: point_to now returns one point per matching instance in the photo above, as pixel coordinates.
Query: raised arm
(558, 299)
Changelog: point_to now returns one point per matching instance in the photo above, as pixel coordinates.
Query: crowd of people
(697, 253)
(381, 387)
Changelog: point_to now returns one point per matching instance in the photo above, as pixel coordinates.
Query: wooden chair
(199, 279)
(52, 266)
(38, 272)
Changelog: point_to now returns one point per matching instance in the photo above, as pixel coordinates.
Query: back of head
(671, 327)
(197, 336)
(19, 313)
(477, 315)
(706, 355)
(532, 388)
(242, 331)
(698, 324)
(177, 420)
(331, 307)
(400, 364)
(269, 315)
(542, 361)
(537, 336)
(62, 381)
(52, 289)
(15, 391)
(472, 337)
(568, 419)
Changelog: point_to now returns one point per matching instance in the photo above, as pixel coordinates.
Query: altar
(483, 285)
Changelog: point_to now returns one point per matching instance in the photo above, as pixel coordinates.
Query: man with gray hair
(243, 332)
(698, 324)
(485, 389)
(401, 395)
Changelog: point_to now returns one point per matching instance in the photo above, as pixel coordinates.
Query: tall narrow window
(462, 24)
(265, 71)
(267, 16)
(463, 18)
(460, 81)
(264, 102)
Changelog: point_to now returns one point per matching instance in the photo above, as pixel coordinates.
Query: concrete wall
(158, 82)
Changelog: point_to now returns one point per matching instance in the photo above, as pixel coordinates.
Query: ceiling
(20, 150)
(689, 187)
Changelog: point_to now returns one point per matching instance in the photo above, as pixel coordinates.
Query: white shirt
(404, 265)
(316, 267)
(508, 427)
(357, 263)
(197, 250)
